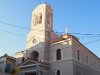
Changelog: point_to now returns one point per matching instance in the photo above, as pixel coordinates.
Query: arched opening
(58, 72)
(35, 55)
(40, 18)
(58, 54)
(34, 41)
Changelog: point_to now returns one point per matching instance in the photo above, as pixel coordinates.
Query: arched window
(58, 72)
(58, 54)
(35, 55)
(40, 18)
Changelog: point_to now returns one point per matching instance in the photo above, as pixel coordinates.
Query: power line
(84, 34)
(12, 33)
(76, 33)
(89, 37)
(2, 22)
(92, 41)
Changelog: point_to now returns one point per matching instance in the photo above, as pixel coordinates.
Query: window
(87, 59)
(78, 54)
(58, 54)
(58, 72)
(34, 41)
(35, 55)
(35, 19)
(40, 18)
(8, 68)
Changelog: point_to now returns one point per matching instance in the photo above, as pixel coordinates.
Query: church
(47, 53)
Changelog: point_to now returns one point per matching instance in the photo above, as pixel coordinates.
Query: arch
(40, 18)
(58, 72)
(34, 41)
(34, 55)
(58, 54)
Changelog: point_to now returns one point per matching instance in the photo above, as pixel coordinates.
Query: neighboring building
(7, 65)
(47, 53)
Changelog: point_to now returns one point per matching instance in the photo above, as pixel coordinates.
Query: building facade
(7, 65)
(47, 53)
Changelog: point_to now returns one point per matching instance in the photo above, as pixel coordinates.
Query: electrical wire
(84, 34)
(12, 33)
(76, 33)
(92, 41)
(25, 28)
(89, 37)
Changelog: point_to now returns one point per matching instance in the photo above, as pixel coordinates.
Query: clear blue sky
(79, 16)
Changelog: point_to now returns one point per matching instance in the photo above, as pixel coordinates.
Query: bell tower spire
(42, 17)
(41, 27)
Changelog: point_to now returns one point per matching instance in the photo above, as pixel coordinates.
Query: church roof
(64, 37)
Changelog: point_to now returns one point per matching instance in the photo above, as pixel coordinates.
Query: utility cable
(88, 37)
(74, 33)
(25, 28)
(92, 41)
(12, 33)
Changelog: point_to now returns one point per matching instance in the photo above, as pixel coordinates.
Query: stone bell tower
(41, 27)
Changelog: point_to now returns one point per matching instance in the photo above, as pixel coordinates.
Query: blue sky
(79, 16)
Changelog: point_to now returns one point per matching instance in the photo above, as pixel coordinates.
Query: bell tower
(41, 27)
